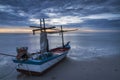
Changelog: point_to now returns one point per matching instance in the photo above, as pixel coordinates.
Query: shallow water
(83, 46)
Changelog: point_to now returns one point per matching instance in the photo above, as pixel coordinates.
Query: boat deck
(59, 50)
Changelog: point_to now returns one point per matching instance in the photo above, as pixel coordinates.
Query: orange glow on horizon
(29, 30)
(23, 30)
(15, 30)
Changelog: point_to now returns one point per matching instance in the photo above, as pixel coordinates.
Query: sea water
(83, 46)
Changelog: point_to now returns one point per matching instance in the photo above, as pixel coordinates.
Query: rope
(7, 55)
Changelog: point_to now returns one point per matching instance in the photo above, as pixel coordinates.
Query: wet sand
(99, 68)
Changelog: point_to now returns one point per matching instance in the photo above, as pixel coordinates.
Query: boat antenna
(62, 36)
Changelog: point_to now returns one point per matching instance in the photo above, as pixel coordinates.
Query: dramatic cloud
(108, 16)
(70, 13)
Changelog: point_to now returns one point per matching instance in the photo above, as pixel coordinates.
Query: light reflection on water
(83, 45)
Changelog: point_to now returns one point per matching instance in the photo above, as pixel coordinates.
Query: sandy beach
(97, 68)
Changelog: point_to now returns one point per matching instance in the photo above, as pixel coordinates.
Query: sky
(83, 14)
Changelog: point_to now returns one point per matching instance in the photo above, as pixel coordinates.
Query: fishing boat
(38, 62)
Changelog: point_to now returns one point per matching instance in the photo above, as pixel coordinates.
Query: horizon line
(29, 30)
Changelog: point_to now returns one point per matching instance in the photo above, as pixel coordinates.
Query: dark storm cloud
(22, 12)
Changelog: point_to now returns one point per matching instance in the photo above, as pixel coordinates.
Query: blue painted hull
(39, 66)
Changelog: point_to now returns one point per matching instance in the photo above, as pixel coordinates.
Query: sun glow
(24, 30)
(15, 30)
(29, 30)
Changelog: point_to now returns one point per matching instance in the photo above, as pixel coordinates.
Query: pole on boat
(44, 24)
(40, 27)
(40, 23)
(46, 34)
(62, 37)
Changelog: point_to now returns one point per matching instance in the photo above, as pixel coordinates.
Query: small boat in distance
(38, 62)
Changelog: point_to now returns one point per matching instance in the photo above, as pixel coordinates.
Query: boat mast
(46, 34)
(40, 23)
(62, 37)
(43, 33)
(44, 25)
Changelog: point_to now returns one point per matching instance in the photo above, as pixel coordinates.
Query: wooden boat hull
(31, 69)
